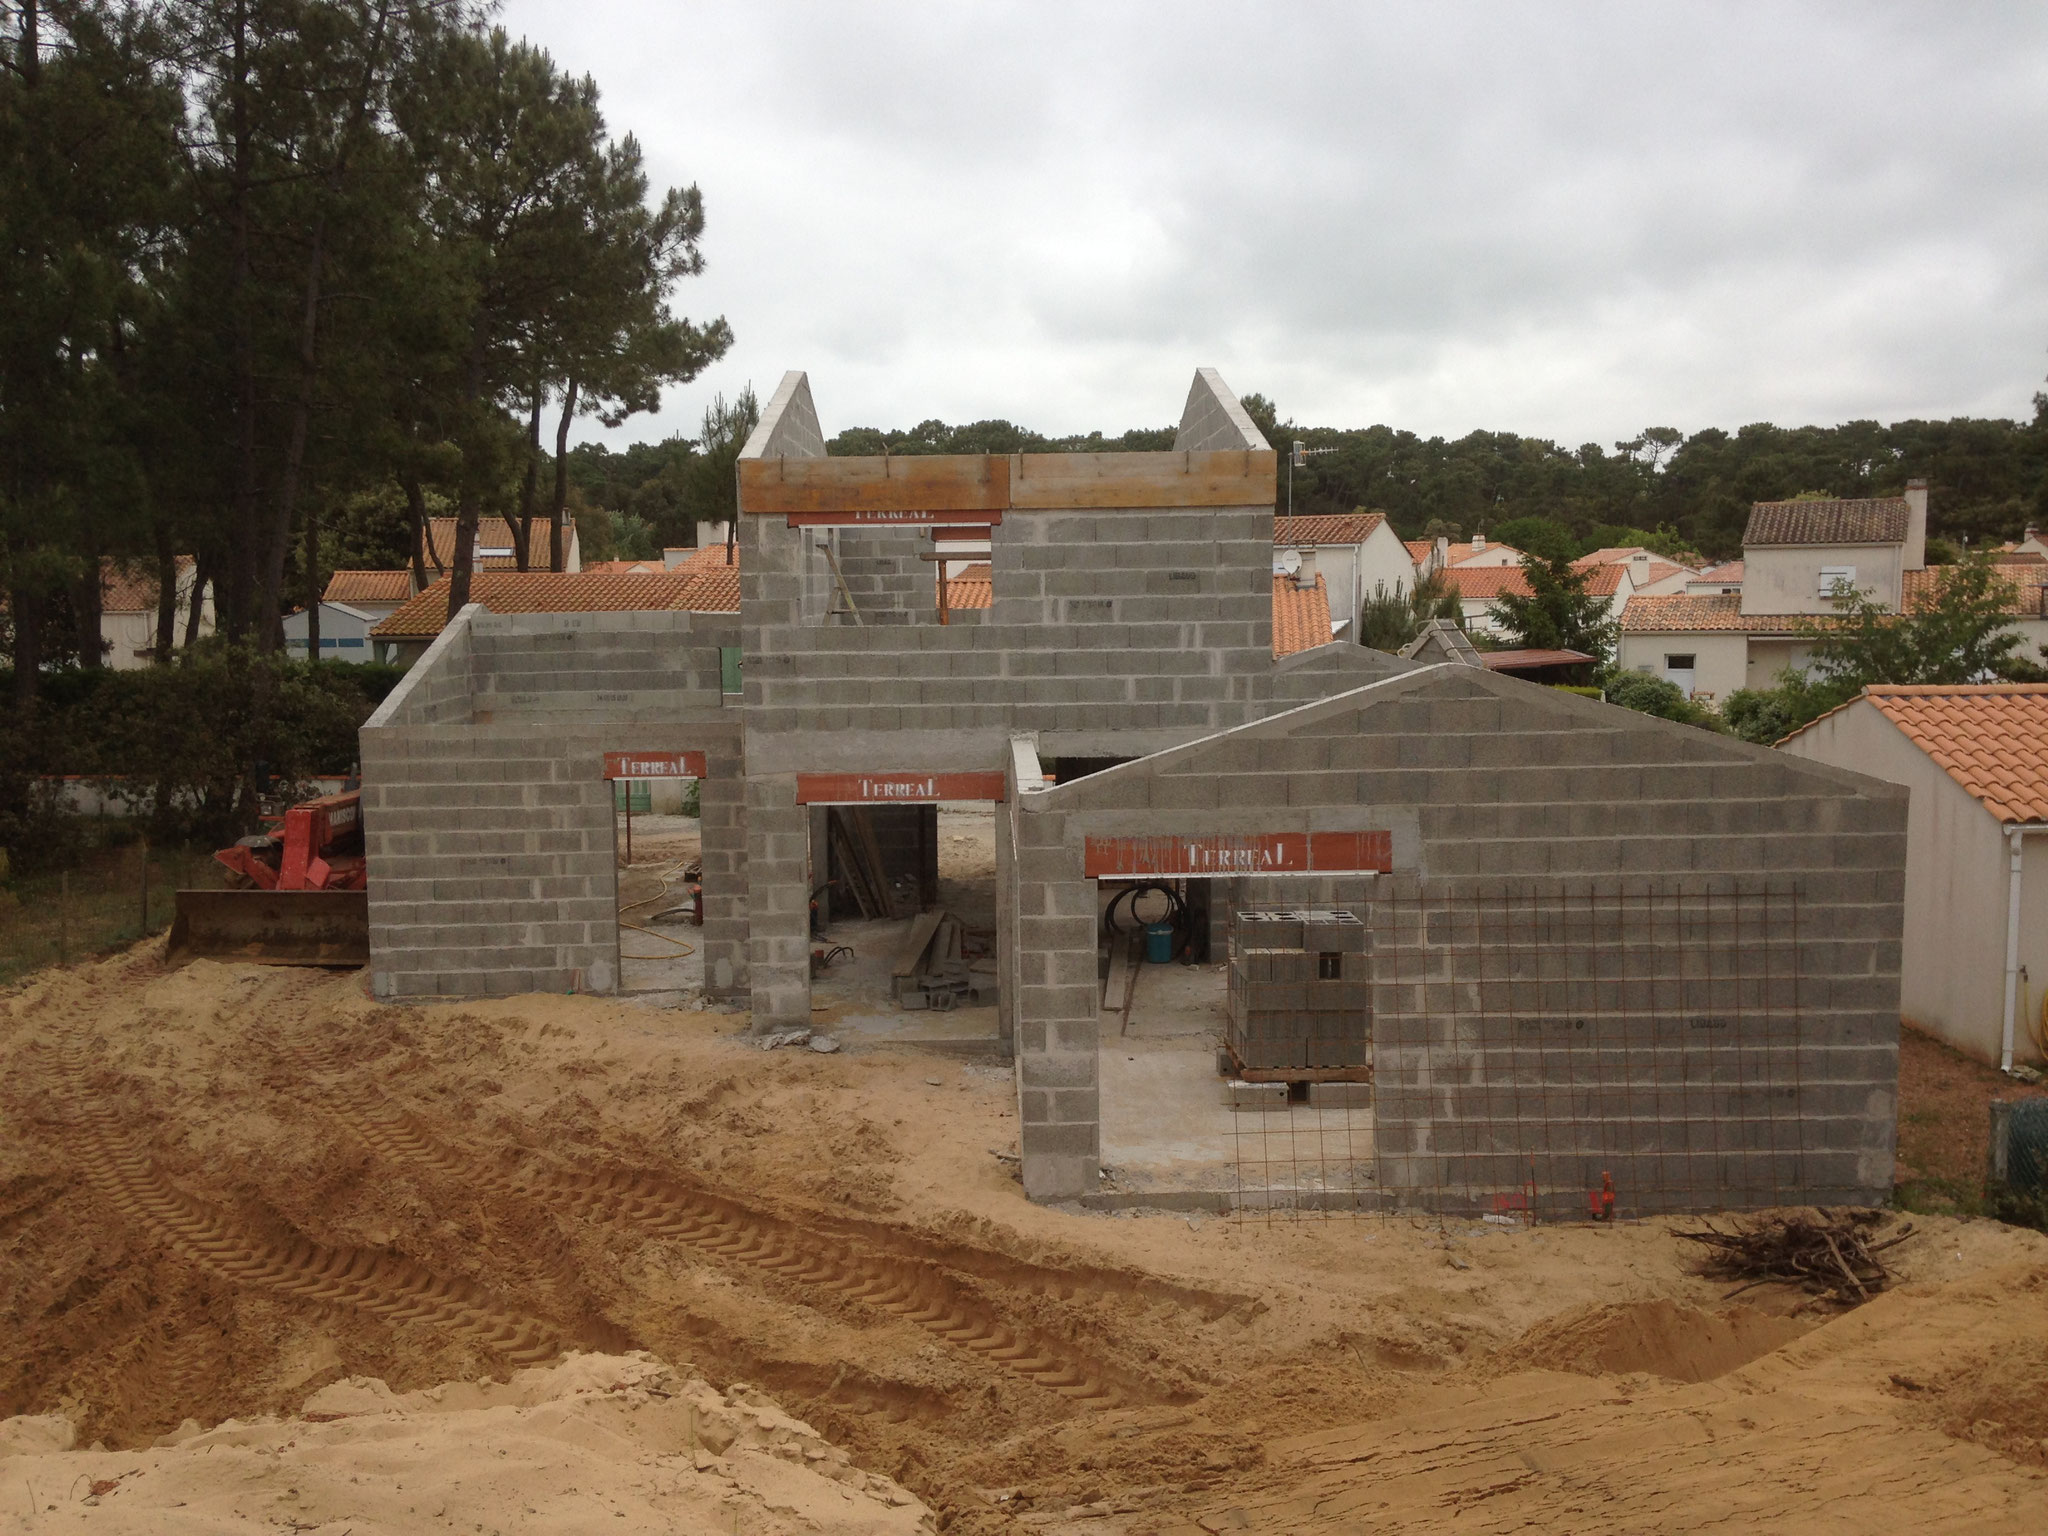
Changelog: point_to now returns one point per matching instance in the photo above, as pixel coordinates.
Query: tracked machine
(298, 893)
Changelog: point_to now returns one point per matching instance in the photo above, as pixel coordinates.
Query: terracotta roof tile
(1869, 521)
(1992, 739)
(1490, 581)
(625, 568)
(492, 533)
(705, 557)
(1459, 553)
(1687, 613)
(2025, 584)
(972, 588)
(1522, 661)
(1301, 615)
(132, 588)
(714, 589)
(368, 587)
(1420, 550)
(1344, 528)
(560, 592)
(1727, 571)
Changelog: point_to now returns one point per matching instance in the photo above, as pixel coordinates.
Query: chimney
(1305, 573)
(1479, 542)
(1914, 557)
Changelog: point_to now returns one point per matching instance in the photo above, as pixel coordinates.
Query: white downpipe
(2012, 952)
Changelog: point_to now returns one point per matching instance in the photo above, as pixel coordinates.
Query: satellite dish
(1286, 562)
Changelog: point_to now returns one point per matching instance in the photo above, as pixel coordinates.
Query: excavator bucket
(273, 927)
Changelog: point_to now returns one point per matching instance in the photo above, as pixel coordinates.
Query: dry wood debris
(1828, 1254)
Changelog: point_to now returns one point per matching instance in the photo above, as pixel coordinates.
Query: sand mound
(618, 1438)
(1659, 1337)
(236, 1193)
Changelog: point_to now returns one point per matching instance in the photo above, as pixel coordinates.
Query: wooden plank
(862, 829)
(1232, 478)
(896, 788)
(963, 482)
(919, 939)
(1239, 853)
(853, 874)
(884, 518)
(957, 489)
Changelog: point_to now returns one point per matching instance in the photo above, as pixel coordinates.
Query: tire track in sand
(394, 1290)
(732, 1234)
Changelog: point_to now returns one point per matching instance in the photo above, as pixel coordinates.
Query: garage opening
(903, 908)
(1236, 1049)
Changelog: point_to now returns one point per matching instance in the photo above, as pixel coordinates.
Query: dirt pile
(594, 1437)
(225, 1189)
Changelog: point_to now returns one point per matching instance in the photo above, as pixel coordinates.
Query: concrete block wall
(609, 668)
(887, 580)
(1499, 790)
(488, 822)
(1213, 419)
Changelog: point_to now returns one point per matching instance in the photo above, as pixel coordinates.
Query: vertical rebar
(145, 885)
(64, 918)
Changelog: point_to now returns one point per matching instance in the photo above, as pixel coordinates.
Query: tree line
(279, 270)
(1660, 488)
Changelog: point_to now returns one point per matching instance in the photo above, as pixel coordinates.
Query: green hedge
(192, 744)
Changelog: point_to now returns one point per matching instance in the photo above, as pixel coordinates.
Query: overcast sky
(1572, 221)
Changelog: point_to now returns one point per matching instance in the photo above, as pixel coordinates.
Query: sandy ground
(224, 1190)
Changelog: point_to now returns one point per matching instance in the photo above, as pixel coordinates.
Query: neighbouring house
(1479, 587)
(1648, 572)
(1716, 580)
(1358, 555)
(627, 567)
(1301, 613)
(1799, 558)
(497, 545)
(1479, 553)
(1974, 966)
(405, 635)
(129, 610)
(344, 632)
(2030, 543)
(1428, 556)
(379, 592)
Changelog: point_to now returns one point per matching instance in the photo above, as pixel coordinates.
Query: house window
(1837, 580)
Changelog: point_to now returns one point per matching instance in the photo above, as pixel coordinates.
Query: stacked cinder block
(1299, 989)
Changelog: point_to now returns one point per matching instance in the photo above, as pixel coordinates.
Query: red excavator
(297, 893)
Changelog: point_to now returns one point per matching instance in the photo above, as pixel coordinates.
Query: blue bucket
(1159, 942)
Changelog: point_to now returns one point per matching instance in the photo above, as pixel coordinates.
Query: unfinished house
(1578, 944)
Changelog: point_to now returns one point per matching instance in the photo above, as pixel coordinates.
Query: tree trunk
(280, 531)
(243, 560)
(88, 599)
(166, 594)
(26, 605)
(31, 59)
(203, 575)
(416, 505)
(466, 513)
(529, 488)
(312, 583)
(556, 554)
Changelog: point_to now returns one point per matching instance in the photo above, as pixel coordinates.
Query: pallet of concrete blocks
(1300, 998)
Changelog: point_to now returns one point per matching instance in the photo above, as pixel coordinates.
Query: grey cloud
(1568, 220)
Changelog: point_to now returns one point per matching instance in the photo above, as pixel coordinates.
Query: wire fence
(1544, 1050)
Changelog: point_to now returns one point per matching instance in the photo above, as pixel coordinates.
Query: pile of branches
(1830, 1255)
